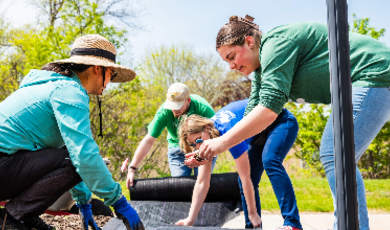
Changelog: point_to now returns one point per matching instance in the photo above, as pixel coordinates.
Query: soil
(196, 156)
(72, 222)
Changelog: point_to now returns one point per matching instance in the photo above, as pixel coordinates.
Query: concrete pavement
(310, 221)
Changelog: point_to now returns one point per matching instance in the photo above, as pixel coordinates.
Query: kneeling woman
(266, 150)
(46, 143)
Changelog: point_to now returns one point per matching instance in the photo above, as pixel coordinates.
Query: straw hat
(98, 51)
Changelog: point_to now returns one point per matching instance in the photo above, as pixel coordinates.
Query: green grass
(378, 195)
(125, 191)
(313, 195)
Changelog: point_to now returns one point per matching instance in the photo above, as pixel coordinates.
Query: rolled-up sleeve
(71, 108)
(279, 59)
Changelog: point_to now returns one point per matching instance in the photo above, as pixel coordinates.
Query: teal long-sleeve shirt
(50, 110)
(294, 61)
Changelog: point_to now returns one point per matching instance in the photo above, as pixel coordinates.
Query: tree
(312, 123)
(375, 162)
(32, 47)
(202, 73)
(235, 87)
(361, 26)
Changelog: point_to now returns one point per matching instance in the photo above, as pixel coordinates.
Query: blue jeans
(270, 157)
(176, 158)
(371, 110)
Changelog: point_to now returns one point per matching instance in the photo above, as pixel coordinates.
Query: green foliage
(375, 162)
(32, 47)
(202, 73)
(361, 26)
(127, 110)
(312, 120)
(225, 164)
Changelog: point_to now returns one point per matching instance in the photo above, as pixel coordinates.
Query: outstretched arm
(255, 122)
(139, 155)
(201, 188)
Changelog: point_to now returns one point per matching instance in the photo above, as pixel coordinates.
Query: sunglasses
(113, 74)
(197, 141)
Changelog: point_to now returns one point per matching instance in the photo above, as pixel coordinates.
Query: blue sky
(197, 22)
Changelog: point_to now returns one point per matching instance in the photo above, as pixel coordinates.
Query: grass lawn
(313, 195)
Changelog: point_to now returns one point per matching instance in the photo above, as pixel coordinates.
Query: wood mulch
(72, 222)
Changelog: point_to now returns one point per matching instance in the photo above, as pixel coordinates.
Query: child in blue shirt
(265, 151)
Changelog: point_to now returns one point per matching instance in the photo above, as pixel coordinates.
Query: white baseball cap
(177, 94)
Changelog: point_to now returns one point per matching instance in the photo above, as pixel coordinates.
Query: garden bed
(72, 222)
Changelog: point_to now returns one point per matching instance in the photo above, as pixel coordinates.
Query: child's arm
(201, 188)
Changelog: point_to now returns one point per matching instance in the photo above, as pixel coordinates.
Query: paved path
(310, 221)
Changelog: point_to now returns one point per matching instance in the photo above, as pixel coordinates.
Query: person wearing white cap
(46, 143)
(179, 102)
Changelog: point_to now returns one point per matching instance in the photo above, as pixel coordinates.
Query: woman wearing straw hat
(46, 144)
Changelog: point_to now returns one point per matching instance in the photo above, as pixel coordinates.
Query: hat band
(94, 52)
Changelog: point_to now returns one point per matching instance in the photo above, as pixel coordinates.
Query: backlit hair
(235, 32)
(194, 124)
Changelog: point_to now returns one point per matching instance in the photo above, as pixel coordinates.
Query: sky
(198, 22)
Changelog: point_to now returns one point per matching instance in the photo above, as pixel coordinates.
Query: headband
(93, 52)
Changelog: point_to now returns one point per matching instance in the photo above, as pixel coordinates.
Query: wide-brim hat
(98, 51)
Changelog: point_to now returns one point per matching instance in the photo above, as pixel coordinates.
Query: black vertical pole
(344, 145)
(341, 88)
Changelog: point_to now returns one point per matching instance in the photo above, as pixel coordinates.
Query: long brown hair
(194, 124)
(235, 32)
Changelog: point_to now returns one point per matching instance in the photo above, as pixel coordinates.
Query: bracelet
(132, 167)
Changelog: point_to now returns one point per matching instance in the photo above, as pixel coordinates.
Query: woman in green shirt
(292, 62)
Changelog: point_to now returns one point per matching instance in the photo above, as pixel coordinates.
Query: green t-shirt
(165, 118)
(294, 62)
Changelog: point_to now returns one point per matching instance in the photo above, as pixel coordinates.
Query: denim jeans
(371, 110)
(270, 157)
(176, 158)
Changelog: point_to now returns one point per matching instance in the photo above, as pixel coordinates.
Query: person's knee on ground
(34, 200)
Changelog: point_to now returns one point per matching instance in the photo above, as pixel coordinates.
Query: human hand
(124, 165)
(255, 220)
(128, 215)
(130, 178)
(192, 162)
(86, 217)
(187, 222)
(211, 148)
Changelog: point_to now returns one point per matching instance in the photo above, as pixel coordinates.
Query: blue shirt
(226, 118)
(50, 110)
